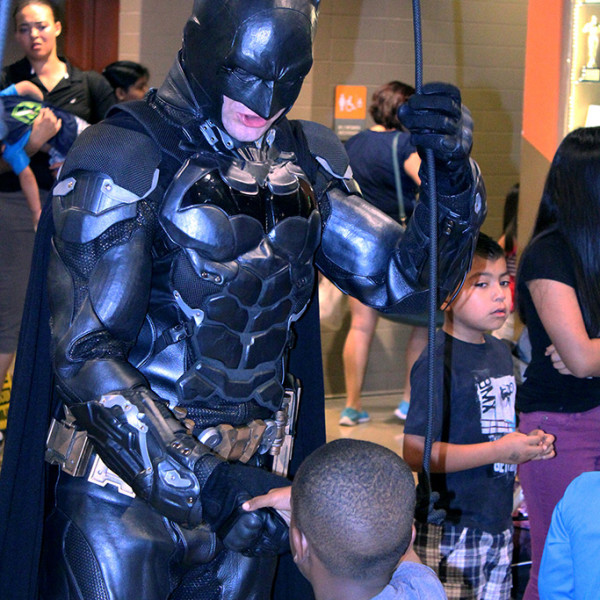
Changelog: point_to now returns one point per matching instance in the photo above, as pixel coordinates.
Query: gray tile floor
(384, 428)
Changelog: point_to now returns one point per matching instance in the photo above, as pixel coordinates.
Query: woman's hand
(557, 361)
(55, 168)
(45, 126)
(573, 349)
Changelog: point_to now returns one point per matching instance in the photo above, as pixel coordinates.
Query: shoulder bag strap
(401, 211)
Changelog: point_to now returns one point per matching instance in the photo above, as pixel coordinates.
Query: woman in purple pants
(559, 300)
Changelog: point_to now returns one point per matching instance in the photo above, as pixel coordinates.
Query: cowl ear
(198, 4)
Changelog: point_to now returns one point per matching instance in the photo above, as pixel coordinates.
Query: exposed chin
(37, 52)
(244, 133)
(496, 322)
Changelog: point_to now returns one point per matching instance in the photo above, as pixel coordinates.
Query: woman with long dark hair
(558, 291)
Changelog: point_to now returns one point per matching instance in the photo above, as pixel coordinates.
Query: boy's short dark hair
(124, 73)
(354, 501)
(488, 248)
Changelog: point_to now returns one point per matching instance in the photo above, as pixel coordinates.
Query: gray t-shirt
(412, 581)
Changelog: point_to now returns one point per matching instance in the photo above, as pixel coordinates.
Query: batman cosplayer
(187, 228)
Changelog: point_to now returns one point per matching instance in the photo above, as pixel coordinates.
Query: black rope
(425, 507)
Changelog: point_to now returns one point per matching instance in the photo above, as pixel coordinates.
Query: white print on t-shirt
(497, 411)
(497, 404)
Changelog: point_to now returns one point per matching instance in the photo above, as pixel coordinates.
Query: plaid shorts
(471, 564)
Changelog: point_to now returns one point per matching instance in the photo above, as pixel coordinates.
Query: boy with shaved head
(351, 524)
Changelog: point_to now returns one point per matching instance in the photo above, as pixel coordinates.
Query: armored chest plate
(238, 271)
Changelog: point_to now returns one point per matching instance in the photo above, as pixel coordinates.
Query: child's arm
(513, 448)
(44, 127)
(28, 88)
(279, 499)
(31, 190)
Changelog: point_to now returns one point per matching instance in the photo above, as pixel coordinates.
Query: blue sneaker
(402, 410)
(351, 417)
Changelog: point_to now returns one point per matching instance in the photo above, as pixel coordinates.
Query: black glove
(437, 120)
(251, 533)
(425, 511)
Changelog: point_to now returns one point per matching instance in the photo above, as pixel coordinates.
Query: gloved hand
(438, 121)
(425, 510)
(251, 533)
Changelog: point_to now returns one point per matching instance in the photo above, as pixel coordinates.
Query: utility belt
(71, 449)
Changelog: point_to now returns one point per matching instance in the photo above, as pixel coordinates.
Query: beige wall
(477, 44)
(150, 32)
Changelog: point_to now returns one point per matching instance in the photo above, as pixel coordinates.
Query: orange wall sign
(350, 102)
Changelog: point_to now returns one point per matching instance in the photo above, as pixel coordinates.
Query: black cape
(23, 476)
(24, 492)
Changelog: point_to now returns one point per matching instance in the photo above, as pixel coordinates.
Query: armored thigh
(102, 545)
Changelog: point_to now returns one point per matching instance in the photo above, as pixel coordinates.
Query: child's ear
(410, 555)
(298, 544)
(447, 303)
(120, 94)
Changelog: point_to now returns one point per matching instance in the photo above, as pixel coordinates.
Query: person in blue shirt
(569, 567)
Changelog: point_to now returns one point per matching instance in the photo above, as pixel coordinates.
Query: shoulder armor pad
(112, 150)
(86, 204)
(107, 171)
(327, 149)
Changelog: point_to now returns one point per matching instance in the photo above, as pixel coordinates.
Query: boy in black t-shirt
(476, 448)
